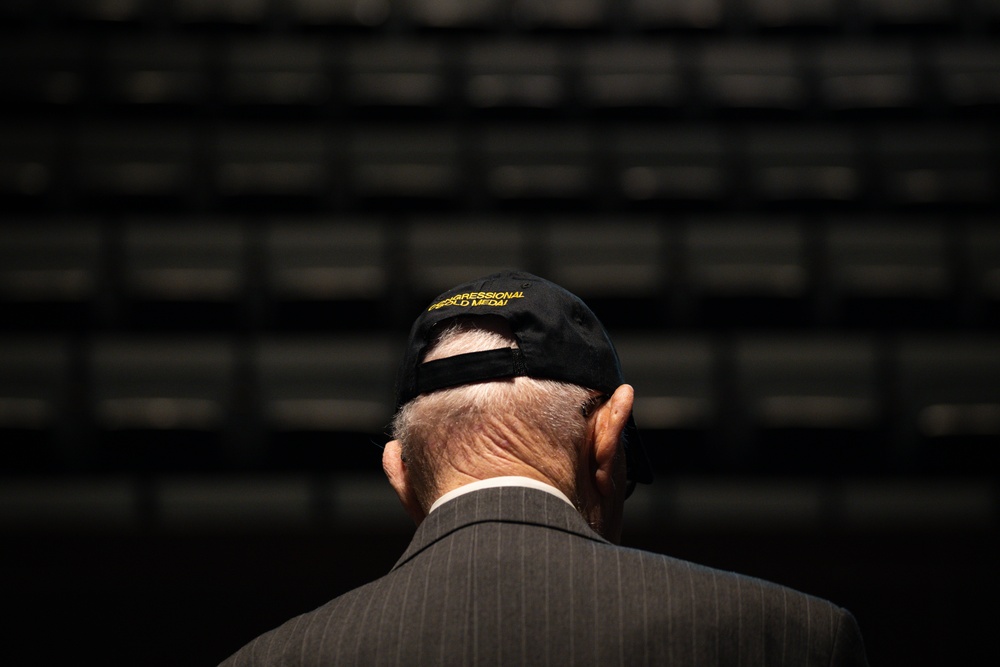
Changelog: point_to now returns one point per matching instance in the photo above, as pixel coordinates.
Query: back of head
(546, 334)
(510, 426)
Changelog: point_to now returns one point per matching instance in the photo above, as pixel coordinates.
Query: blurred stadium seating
(219, 217)
(766, 170)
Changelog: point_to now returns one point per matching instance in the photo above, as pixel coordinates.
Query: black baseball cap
(559, 338)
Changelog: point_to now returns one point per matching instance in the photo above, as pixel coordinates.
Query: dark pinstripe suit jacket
(515, 576)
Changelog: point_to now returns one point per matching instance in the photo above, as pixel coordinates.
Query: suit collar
(506, 504)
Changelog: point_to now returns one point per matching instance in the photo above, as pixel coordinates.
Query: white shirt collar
(493, 482)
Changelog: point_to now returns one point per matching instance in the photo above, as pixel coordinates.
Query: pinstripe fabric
(514, 576)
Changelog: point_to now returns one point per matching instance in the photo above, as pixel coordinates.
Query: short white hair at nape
(441, 427)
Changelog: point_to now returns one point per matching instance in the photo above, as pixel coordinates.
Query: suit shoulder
(734, 594)
(303, 638)
(759, 619)
(722, 581)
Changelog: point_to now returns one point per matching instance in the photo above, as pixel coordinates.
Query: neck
(494, 482)
(456, 479)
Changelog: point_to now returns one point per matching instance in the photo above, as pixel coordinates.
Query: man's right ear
(395, 470)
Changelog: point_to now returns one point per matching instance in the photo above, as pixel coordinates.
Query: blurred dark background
(219, 217)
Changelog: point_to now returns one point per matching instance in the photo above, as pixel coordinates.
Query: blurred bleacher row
(218, 218)
(694, 271)
(526, 14)
(559, 75)
(293, 166)
(817, 404)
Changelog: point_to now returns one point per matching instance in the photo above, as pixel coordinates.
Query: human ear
(608, 425)
(395, 470)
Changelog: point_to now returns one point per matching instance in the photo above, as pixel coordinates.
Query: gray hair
(449, 426)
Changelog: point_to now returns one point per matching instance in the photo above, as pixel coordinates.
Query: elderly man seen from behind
(514, 452)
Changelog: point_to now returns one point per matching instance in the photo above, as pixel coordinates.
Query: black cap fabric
(559, 338)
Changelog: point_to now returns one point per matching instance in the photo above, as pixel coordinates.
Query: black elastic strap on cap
(468, 368)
